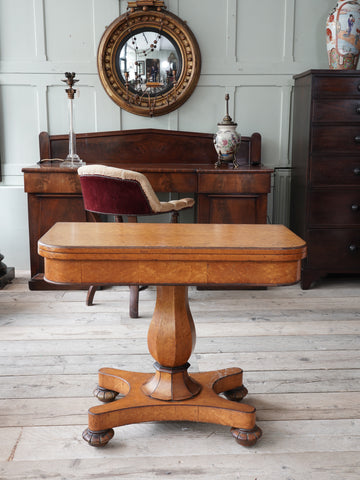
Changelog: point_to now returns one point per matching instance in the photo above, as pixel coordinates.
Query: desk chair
(118, 192)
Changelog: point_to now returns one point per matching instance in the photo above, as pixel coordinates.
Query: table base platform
(202, 405)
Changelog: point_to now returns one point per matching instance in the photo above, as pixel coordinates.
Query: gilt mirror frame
(150, 100)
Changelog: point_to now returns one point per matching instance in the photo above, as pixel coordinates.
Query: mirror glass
(148, 62)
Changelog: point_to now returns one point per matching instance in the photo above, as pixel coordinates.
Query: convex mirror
(148, 60)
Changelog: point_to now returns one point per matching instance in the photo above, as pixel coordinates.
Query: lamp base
(227, 160)
(72, 161)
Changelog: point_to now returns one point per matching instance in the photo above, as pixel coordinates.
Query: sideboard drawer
(337, 110)
(234, 182)
(334, 249)
(172, 182)
(335, 207)
(325, 86)
(331, 170)
(46, 182)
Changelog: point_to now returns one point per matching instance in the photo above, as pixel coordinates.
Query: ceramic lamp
(226, 139)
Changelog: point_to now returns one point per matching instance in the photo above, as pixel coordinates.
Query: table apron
(154, 272)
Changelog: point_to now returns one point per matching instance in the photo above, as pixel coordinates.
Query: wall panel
(208, 25)
(13, 238)
(17, 43)
(260, 31)
(258, 108)
(18, 125)
(69, 30)
(309, 31)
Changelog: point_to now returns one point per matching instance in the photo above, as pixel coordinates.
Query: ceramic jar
(226, 142)
(226, 139)
(343, 35)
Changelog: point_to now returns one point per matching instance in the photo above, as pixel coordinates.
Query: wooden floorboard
(299, 351)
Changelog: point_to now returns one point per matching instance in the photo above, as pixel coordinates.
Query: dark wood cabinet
(182, 162)
(325, 187)
(44, 210)
(232, 198)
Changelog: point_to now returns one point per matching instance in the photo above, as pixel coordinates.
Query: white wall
(249, 49)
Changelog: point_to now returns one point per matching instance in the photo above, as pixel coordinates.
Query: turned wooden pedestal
(172, 256)
(171, 393)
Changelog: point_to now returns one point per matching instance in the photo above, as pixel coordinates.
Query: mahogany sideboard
(173, 161)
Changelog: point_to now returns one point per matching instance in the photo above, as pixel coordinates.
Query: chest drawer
(334, 250)
(335, 207)
(330, 170)
(336, 86)
(335, 139)
(337, 110)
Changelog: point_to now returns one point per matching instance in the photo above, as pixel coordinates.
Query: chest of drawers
(325, 187)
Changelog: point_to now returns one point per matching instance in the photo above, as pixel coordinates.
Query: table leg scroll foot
(98, 439)
(104, 395)
(236, 394)
(246, 438)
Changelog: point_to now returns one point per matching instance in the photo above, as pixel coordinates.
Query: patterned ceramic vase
(343, 35)
(226, 139)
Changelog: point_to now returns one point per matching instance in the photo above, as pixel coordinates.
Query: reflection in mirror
(148, 63)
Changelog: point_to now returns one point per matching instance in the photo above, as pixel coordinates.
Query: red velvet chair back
(114, 196)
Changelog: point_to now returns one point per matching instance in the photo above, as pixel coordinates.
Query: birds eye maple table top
(200, 254)
(171, 256)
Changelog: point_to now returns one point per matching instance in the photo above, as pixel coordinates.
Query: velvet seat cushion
(123, 192)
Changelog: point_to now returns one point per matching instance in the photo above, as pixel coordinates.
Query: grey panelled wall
(249, 49)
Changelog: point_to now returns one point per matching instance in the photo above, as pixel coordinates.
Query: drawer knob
(353, 248)
(357, 170)
(354, 207)
(357, 139)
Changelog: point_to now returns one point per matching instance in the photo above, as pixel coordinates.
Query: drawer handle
(358, 87)
(353, 248)
(357, 139)
(357, 109)
(354, 207)
(357, 171)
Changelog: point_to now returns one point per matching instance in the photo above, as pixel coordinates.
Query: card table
(172, 257)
